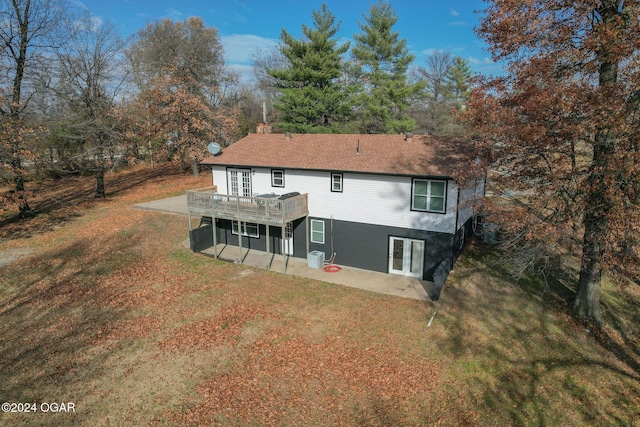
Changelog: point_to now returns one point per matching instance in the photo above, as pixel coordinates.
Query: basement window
(249, 229)
(317, 231)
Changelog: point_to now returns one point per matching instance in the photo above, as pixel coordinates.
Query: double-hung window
(248, 228)
(277, 178)
(428, 195)
(336, 182)
(317, 231)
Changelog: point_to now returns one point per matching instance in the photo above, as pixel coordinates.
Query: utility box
(489, 232)
(315, 259)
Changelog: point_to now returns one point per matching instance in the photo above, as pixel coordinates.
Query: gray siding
(357, 245)
(366, 246)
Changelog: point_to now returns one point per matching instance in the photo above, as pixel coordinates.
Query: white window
(317, 231)
(277, 178)
(428, 195)
(336, 182)
(248, 229)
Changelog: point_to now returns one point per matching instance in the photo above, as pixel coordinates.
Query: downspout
(455, 231)
(333, 254)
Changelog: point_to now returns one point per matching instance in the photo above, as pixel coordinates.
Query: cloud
(96, 22)
(454, 12)
(451, 48)
(429, 51)
(244, 72)
(239, 47)
(457, 24)
(477, 61)
(174, 14)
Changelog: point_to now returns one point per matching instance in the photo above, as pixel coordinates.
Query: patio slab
(372, 281)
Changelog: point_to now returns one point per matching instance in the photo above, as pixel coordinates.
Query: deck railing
(253, 209)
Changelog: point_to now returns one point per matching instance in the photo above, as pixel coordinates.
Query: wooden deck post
(307, 237)
(239, 242)
(267, 227)
(284, 249)
(215, 238)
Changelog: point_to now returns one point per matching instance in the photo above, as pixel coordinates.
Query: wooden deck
(263, 210)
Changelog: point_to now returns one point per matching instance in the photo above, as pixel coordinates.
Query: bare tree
(28, 33)
(90, 76)
(437, 91)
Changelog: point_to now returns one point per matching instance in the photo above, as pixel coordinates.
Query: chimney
(408, 137)
(263, 128)
(287, 136)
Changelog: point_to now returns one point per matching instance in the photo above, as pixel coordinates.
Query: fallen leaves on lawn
(226, 325)
(290, 381)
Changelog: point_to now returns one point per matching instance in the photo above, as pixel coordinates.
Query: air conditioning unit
(315, 259)
(489, 232)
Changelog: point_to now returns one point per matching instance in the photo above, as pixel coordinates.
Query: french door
(406, 256)
(239, 182)
(287, 241)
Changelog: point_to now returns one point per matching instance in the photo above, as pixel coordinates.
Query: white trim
(239, 182)
(338, 188)
(428, 196)
(247, 229)
(274, 178)
(406, 256)
(316, 222)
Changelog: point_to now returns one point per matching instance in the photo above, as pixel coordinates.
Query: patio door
(406, 256)
(239, 182)
(287, 242)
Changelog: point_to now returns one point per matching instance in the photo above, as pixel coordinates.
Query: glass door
(287, 242)
(406, 256)
(239, 182)
(396, 255)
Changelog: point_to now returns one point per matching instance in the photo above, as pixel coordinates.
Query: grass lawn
(103, 306)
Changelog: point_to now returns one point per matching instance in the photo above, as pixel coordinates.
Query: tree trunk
(195, 167)
(587, 302)
(24, 209)
(100, 184)
(598, 203)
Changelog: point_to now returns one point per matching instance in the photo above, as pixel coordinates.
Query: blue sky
(247, 26)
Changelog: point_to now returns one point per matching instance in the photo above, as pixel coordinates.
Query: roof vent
(287, 136)
(408, 137)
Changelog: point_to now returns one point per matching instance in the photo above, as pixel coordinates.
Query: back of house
(387, 203)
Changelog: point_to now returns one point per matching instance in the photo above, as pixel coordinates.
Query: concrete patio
(383, 283)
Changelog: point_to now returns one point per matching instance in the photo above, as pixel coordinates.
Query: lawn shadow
(56, 323)
(545, 358)
(59, 201)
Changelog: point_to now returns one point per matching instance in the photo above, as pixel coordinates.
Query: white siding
(372, 199)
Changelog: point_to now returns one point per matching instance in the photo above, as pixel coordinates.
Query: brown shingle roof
(385, 154)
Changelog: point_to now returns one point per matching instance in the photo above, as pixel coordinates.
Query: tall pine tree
(311, 98)
(459, 79)
(381, 61)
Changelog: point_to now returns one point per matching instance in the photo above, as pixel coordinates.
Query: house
(387, 203)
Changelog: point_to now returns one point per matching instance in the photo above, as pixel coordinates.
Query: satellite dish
(214, 148)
